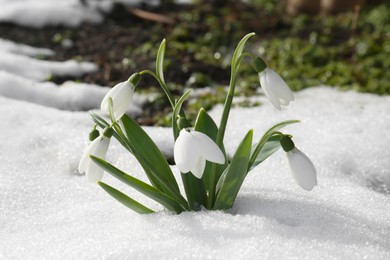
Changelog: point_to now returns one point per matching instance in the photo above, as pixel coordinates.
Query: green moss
(307, 51)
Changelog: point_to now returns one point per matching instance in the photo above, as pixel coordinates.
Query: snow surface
(49, 211)
(16, 59)
(23, 77)
(40, 13)
(68, 13)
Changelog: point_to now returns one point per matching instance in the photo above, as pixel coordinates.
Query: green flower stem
(170, 98)
(162, 84)
(220, 136)
(236, 61)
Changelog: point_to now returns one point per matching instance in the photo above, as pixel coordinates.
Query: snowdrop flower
(302, 169)
(192, 149)
(97, 148)
(121, 95)
(275, 88)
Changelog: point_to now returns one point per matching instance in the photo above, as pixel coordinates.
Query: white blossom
(302, 169)
(192, 149)
(121, 95)
(275, 88)
(97, 148)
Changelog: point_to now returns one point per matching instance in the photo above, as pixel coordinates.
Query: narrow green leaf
(195, 191)
(151, 159)
(269, 148)
(99, 120)
(139, 185)
(235, 174)
(160, 61)
(125, 200)
(221, 180)
(103, 124)
(176, 112)
(265, 137)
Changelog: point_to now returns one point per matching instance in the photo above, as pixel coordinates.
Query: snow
(67, 13)
(22, 77)
(40, 13)
(48, 210)
(16, 59)
(12, 47)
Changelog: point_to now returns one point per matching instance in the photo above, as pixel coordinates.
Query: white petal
(85, 160)
(121, 95)
(284, 102)
(122, 102)
(94, 172)
(185, 152)
(268, 91)
(102, 148)
(302, 169)
(280, 88)
(208, 149)
(111, 93)
(198, 170)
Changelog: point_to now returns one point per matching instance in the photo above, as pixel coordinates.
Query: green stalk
(162, 84)
(236, 61)
(219, 140)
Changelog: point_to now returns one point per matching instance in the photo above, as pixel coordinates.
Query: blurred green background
(349, 49)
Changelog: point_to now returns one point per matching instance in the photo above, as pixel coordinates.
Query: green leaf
(160, 61)
(176, 112)
(125, 200)
(235, 174)
(269, 148)
(195, 191)
(141, 186)
(151, 159)
(265, 138)
(103, 124)
(99, 120)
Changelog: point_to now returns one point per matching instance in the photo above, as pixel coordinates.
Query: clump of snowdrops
(209, 179)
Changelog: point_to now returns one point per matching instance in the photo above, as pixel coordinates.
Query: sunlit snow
(49, 211)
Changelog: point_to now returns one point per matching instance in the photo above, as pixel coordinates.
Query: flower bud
(286, 143)
(258, 64)
(135, 79)
(108, 132)
(93, 134)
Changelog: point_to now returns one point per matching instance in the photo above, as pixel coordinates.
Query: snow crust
(49, 211)
(67, 13)
(40, 13)
(19, 59)
(22, 77)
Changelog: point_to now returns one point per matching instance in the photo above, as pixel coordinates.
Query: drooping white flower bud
(192, 149)
(121, 95)
(275, 88)
(302, 169)
(97, 148)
